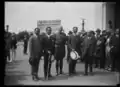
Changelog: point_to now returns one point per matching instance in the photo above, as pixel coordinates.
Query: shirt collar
(35, 35)
(74, 34)
(48, 35)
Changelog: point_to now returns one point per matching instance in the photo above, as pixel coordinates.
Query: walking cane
(48, 65)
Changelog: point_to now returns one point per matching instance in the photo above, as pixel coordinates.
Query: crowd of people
(97, 49)
(10, 47)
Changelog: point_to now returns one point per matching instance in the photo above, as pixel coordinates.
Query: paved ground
(18, 73)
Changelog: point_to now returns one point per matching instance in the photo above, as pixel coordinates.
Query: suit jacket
(74, 42)
(89, 46)
(114, 41)
(60, 39)
(48, 43)
(35, 46)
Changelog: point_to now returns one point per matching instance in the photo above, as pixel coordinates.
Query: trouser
(47, 69)
(68, 54)
(72, 65)
(25, 48)
(97, 61)
(35, 66)
(59, 65)
(108, 60)
(7, 55)
(13, 53)
(88, 63)
(102, 61)
(113, 56)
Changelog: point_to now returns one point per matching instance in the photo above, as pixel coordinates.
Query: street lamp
(7, 28)
(83, 23)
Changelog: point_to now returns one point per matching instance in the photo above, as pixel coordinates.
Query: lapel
(88, 41)
(48, 37)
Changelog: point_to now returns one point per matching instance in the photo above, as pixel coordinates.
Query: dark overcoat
(88, 48)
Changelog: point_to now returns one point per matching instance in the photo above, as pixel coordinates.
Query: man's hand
(112, 46)
(49, 52)
(73, 49)
(52, 59)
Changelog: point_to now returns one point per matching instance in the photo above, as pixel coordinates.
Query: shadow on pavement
(102, 73)
(14, 78)
(64, 76)
(13, 64)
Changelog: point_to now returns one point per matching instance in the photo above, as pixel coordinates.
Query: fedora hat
(74, 55)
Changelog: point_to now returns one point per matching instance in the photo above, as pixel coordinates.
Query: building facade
(43, 24)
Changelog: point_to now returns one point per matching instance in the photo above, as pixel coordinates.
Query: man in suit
(97, 56)
(89, 50)
(117, 56)
(74, 43)
(7, 44)
(48, 46)
(25, 44)
(35, 49)
(114, 44)
(102, 50)
(60, 41)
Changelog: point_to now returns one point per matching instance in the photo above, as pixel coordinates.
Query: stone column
(103, 15)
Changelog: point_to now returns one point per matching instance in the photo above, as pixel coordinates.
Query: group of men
(90, 46)
(10, 45)
(47, 45)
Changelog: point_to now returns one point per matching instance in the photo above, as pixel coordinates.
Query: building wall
(105, 12)
(98, 16)
(117, 16)
(110, 14)
(54, 24)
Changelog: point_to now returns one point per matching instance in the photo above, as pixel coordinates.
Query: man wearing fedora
(89, 50)
(74, 45)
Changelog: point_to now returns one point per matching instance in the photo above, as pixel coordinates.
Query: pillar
(110, 14)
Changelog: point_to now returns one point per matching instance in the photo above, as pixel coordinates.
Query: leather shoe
(85, 74)
(70, 74)
(50, 75)
(61, 72)
(35, 78)
(57, 74)
(74, 72)
(91, 74)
